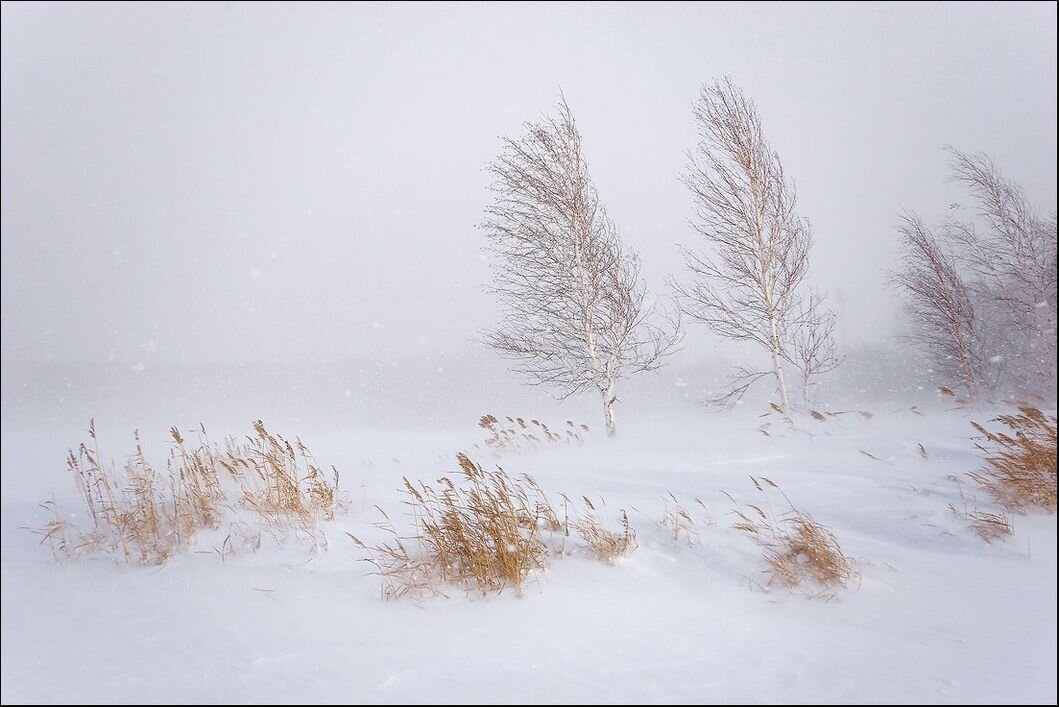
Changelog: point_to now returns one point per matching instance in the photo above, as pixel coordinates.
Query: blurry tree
(982, 291)
(1009, 253)
(939, 303)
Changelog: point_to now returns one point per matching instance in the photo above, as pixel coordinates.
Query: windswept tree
(939, 304)
(1009, 252)
(746, 285)
(982, 286)
(574, 306)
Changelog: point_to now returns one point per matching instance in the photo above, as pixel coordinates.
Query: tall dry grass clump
(484, 531)
(281, 480)
(1020, 471)
(798, 549)
(138, 513)
(143, 514)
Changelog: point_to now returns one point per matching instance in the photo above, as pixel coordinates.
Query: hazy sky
(240, 182)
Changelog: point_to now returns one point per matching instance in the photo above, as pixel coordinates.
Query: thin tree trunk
(774, 340)
(777, 367)
(608, 409)
(968, 374)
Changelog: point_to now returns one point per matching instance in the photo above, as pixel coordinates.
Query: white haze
(227, 212)
(238, 184)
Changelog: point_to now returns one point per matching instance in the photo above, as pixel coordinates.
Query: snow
(938, 616)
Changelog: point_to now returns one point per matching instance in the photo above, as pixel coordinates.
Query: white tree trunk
(777, 366)
(608, 409)
(781, 383)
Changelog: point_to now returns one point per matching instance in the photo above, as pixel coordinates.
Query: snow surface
(939, 616)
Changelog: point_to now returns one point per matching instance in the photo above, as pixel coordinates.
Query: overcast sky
(241, 182)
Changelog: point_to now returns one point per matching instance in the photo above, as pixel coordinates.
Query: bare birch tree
(575, 310)
(746, 288)
(939, 303)
(1010, 255)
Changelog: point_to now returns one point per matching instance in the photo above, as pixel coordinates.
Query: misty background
(252, 209)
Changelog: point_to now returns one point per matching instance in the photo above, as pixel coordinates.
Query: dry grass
(815, 415)
(281, 480)
(987, 525)
(679, 521)
(143, 514)
(798, 550)
(486, 533)
(608, 545)
(777, 408)
(990, 526)
(864, 414)
(55, 532)
(947, 392)
(1020, 471)
(403, 573)
(878, 459)
(514, 435)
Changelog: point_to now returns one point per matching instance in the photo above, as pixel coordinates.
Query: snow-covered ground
(938, 616)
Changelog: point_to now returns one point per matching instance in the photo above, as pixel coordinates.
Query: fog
(248, 184)
(233, 233)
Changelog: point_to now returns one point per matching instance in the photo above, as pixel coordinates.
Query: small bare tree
(575, 313)
(811, 345)
(1011, 261)
(747, 287)
(939, 303)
